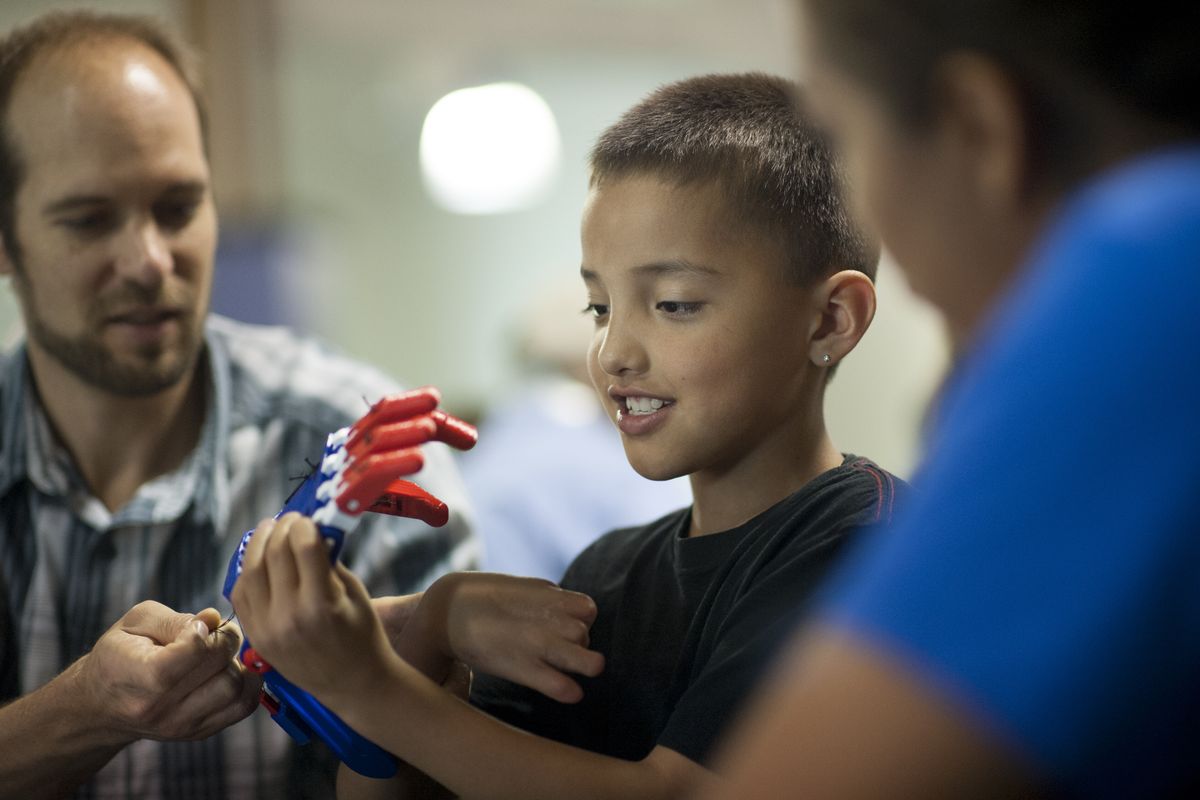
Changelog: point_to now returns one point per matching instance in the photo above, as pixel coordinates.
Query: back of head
(1082, 67)
(60, 30)
(745, 133)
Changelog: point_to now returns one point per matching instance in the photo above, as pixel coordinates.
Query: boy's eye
(596, 310)
(678, 308)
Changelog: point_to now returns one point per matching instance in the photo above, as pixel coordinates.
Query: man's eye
(596, 310)
(90, 222)
(175, 215)
(678, 307)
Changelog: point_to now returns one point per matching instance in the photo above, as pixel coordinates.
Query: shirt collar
(30, 450)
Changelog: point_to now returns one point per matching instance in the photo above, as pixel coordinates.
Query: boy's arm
(317, 626)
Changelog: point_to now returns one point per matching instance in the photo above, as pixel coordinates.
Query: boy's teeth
(643, 405)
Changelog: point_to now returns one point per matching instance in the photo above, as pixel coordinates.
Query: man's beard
(148, 371)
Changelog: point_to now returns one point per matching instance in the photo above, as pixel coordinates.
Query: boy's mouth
(640, 406)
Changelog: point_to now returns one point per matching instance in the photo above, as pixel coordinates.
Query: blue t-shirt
(1046, 576)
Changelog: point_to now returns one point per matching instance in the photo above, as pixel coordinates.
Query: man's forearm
(50, 743)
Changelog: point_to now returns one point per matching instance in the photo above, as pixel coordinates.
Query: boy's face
(700, 352)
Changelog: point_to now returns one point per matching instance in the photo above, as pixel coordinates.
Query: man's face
(700, 348)
(114, 220)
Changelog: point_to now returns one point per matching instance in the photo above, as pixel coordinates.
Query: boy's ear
(845, 306)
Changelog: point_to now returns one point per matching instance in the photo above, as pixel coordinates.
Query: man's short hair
(62, 29)
(747, 134)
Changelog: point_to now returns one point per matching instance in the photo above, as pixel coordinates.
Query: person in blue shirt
(1031, 623)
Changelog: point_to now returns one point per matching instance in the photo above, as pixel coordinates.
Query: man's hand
(526, 630)
(160, 674)
(154, 674)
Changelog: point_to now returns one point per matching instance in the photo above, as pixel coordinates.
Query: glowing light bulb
(489, 149)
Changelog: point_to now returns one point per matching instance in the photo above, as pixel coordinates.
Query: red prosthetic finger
(406, 499)
(395, 408)
(454, 432)
(397, 436)
(368, 479)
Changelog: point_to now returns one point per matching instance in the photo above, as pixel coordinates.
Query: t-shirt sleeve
(1044, 578)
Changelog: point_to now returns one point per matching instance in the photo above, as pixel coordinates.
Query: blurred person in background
(1031, 624)
(140, 436)
(549, 474)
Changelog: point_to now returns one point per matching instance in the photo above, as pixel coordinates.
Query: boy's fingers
(283, 575)
(572, 658)
(252, 590)
(258, 542)
(580, 606)
(310, 556)
(555, 685)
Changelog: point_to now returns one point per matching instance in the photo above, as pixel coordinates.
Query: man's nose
(144, 255)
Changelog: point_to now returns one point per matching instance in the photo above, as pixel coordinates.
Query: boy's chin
(655, 471)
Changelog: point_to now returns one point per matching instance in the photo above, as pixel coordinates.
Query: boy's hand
(526, 630)
(310, 620)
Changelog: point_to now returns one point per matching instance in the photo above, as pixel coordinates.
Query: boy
(726, 281)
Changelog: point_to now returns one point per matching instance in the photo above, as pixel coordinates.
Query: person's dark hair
(746, 133)
(1074, 62)
(60, 29)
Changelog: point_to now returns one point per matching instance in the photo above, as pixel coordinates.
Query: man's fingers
(221, 700)
(210, 617)
(160, 624)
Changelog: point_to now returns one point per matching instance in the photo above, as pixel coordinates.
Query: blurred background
(356, 204)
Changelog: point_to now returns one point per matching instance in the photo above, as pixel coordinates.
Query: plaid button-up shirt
(69, 568)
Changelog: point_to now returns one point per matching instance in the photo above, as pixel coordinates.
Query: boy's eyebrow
(675, 266)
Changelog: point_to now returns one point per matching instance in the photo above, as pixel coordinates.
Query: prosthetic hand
(360, 472)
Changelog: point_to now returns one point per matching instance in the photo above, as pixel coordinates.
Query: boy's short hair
(60, 29)
(746, 132)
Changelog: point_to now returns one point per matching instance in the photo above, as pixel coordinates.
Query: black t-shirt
(687, 625)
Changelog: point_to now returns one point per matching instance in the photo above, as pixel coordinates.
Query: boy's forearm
(477, 756)
(408, 784)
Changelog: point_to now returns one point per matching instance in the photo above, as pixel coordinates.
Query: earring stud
(825, 359)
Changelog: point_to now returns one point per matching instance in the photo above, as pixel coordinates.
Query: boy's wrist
(425, 643)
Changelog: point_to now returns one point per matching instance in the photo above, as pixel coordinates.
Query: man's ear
(982, 123)
(845, 306)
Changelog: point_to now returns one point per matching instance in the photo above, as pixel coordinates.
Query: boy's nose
(143, 255)
(620, 351)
